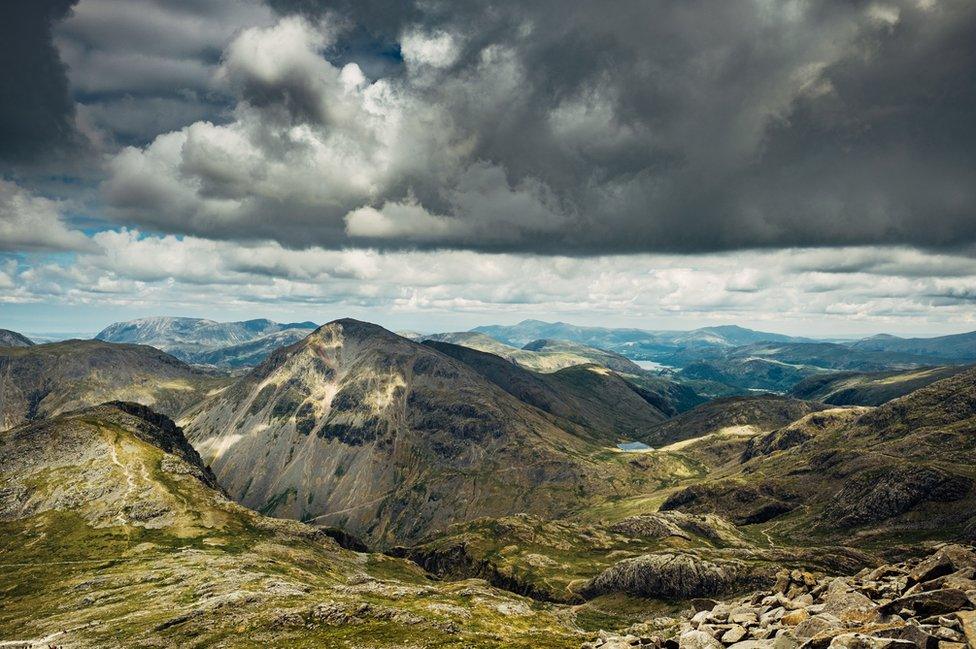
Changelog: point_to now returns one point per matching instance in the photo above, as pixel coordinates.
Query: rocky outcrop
(668, 575)
(926, 603)
(660, 525)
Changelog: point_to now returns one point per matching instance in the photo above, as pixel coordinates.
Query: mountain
(114, 534)
(587, 395)
(13, 339)
(741, 415)
(529, 330)
(359, 428)
(44, 380)
(733, 336)
(869, 388)
(544, 355)
(958, 348)
(196, 340)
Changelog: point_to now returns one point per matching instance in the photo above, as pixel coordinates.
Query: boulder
(698, 640)
(733, 635)
(817, 625)
(947, 560)
(795, 617)
(862, 641)
(931, 602)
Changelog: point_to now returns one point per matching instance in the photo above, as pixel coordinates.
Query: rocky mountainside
(869, 388)
(196, 340)
(13, 339)
(113, 535)
(359, 428)
(902, 470)
(922, 603)
(735, 415)
(43, 380)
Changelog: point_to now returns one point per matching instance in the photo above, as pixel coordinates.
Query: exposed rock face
(669, 575)
(882, 493)
(13, 339)
(663, 524)
(921, 603)
(361, 429)
(44, 380)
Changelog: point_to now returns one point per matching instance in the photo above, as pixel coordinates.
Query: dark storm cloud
(742, 124)
(138, 68)
(36, 111)
(575, 127)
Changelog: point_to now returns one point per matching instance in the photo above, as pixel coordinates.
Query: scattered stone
(795, 617)
(733, 635)
(698, 640)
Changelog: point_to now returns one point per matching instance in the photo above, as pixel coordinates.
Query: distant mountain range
(954, 348)
(206, 342)
(632, 339)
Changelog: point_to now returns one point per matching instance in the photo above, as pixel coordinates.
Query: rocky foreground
(926, 603)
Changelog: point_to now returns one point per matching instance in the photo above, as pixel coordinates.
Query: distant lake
(651, 365)
(634, 446)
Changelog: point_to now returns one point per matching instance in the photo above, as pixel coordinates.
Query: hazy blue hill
(668, 347)
(953, 348)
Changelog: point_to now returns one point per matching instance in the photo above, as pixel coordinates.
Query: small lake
(651, 365)
(634, 446)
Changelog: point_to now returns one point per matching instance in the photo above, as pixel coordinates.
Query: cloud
(36, 113)
(141, 67)
(569, 129)
(29, 222)
(164, 273)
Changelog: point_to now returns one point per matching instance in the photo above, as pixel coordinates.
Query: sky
(794, 166)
